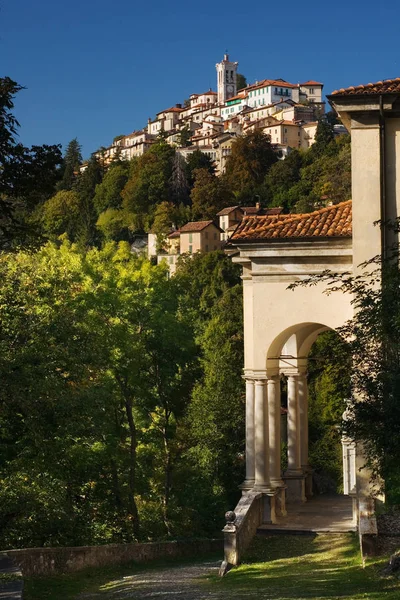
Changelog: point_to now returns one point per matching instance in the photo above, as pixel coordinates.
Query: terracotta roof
(227, 210)
(333, 221)
(196, 226)
(174, 234)
(311, 82)
(387, 86)
(172, 109)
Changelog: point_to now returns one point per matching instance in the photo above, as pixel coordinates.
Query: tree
(178, 182)
(27, 175)
(184, 137)
(72, 162)
(148, 184)
(248, 164)
(241, 81)
(283, 175)
(61, 214)
(209, 195)
(97, 367)
(198, 160)
(108, 192)
(211, 299)
(323, 137)
(86, 186)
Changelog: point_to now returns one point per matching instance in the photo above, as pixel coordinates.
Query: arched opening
(309, 361)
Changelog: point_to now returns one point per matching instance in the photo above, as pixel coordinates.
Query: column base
(296, 487)
(280, 501)
(246, 486)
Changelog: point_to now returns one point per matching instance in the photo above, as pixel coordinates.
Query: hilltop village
(210, 121)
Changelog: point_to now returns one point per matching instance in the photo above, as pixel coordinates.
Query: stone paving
(321, 514)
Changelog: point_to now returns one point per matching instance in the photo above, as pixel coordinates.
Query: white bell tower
(226, 78)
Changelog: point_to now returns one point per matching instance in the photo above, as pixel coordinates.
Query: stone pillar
(274, 421)
(250, 455)
(303, 419)
(274, 418)
(261, 435)
(294, 476)
(294, 455)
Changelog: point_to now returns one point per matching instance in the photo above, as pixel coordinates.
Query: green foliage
(241, 81)
(248, 164)
(148, 184)
(61, 213)
(198, 160)
(108, 192)
(27, 175)
(85, 187)
(305, 181)
(329, 386)
(97, 365)
(113, 224)
(72, 162)
(209, 195)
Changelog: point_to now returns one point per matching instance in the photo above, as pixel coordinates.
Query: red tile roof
(387, 86)
(311, 82)
(333, 221)
(196, 226)
(174, 234)
(172, 109)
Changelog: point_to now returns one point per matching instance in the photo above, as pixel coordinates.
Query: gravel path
(182, 583)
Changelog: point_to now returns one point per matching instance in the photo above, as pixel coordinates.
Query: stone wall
(53, 561)
(238, 534)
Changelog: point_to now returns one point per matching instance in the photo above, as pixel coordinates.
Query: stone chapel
(280, 325)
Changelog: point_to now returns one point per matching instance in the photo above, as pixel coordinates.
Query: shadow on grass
(297, 567)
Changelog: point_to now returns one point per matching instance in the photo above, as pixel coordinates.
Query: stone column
(294, 476)
(303, 420)
(250, 456)
(294, 455)
(261, 435)
(274, 418)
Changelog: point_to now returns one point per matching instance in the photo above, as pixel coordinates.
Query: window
(285, 130)
(311, 90)
(190, 238)
(171, 260)
(190, 249)
(215, 236)
(206, 247)
(298, 133)
(206, 235)
(215, 247)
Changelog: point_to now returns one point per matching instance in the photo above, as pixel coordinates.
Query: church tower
(226, 78)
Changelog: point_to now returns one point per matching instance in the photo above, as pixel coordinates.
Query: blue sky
(94, 69)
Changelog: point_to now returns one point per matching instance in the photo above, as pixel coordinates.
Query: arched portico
(287, 356)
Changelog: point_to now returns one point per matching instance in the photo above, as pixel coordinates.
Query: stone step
(268, 529)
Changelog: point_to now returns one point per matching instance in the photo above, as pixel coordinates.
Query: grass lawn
(279, 567)
(318, 568)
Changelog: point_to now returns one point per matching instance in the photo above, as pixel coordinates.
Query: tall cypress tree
(72, 161)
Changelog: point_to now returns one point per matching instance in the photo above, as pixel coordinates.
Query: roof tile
(388, 86)
(333, 221)
(196, 226)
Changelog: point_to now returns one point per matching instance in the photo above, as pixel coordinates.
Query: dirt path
(183, 583)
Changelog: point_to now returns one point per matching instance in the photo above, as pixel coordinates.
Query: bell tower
(226, 79)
